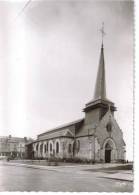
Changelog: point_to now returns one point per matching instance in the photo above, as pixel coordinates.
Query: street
(72, 179)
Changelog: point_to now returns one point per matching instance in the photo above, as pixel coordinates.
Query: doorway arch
(109, 149)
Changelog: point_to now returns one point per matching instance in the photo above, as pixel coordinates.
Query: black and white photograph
(67, 96)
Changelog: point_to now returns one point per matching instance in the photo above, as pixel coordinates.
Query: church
(96, 138)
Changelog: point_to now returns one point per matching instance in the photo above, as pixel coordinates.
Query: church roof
(60, 133)
(60, 128)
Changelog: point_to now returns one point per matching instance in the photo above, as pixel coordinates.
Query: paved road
(13, 178)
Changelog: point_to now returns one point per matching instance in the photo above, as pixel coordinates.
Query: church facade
(96, 137)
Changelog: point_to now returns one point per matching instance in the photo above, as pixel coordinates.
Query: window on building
(51, 147)
(41, 148)
(37, 147)
(14, 146)
(57, 147)
(70, 148)
(109, 128)
(45, 148)
(78, 145)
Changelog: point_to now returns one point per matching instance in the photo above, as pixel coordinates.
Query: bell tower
(99, 105)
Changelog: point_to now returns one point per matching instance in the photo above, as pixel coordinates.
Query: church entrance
(108, 153)
(107, 156)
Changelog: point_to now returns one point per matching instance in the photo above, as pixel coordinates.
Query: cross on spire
(102, 32)
(100, 88)
(100, 96)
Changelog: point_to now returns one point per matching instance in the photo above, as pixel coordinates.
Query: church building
(97, 137)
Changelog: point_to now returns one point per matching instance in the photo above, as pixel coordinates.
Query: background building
(13, 147)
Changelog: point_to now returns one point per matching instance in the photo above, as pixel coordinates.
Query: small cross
(102, 31)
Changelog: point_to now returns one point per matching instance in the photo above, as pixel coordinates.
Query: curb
(119, 179)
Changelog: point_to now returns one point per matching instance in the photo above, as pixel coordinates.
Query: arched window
(37, 147)
(78, 145)
(41, 148)
(70, 148)
(109, 126)
(51, 147)
(45, 148)
(57, 147)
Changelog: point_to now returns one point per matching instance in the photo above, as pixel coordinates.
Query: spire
(100, 87)
(100, 100)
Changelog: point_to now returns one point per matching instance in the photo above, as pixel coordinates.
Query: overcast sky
(49, 55)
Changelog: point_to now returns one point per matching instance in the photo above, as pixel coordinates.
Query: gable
(68, 133)
(116, 133)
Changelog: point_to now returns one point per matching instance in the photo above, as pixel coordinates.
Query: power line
(23, 9)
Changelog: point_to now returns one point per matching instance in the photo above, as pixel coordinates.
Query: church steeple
(99, 105)
(100, 87)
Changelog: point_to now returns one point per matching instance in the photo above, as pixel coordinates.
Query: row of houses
(13, 147)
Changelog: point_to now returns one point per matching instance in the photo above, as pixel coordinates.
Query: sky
(49, 55)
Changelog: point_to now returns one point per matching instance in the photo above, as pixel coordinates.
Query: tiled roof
(13, 139)
(61, 127)
(61, 133)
